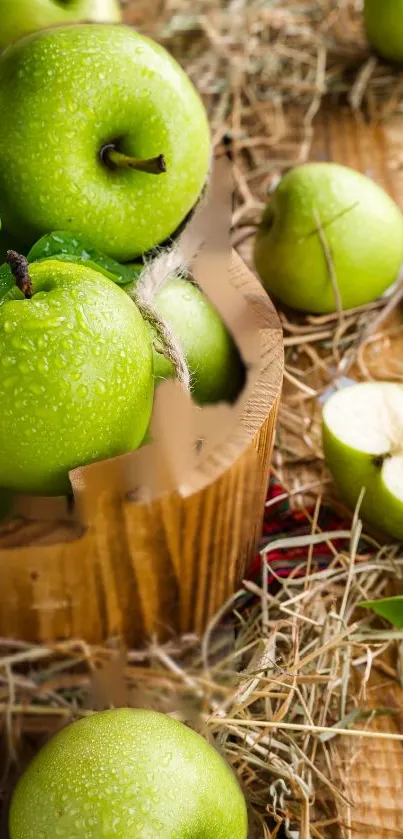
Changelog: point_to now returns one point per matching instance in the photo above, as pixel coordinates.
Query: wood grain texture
(372, 771)
(139, 568)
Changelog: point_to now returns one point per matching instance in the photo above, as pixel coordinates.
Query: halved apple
(363, 445)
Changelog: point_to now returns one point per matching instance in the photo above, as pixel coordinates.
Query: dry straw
(276, 686)
(283, 676)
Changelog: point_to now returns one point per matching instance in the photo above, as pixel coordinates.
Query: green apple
(76, 383)
(384, 26)
(6, 243)
(326, 218)
(128, 774)
(213, 359)
(363, 446)
(101, 132)
(20, 17)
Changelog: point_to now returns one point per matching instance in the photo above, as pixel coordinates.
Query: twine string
(155, 275)
(161, 267)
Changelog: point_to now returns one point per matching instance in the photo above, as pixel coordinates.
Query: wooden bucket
(149, 567)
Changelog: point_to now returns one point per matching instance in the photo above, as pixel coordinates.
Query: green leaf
(73, 247)
(90, 263)
(390, 608)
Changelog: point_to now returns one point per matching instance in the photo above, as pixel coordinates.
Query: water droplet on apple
(52, 323)
(42, 365)
(67, 344)
(7, 361)
(82, 322)
(61, 362)
(24, 367)
(18, 343)
(9, 382)
(35, 388)
(8, 326)
(83, 391)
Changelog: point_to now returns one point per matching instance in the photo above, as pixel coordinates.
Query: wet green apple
(384, 26)
(6, 243)
(76, 382)
(324, 218)
(128, 774)
(363, 446)
(21, 17)
(213, 359)
(101, 132)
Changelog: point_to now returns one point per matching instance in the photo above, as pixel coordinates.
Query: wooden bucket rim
(259, 396)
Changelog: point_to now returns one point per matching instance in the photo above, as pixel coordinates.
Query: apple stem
(116, 160)
(19, 268)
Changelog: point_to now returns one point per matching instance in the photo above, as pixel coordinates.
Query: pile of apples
(105, 149)
(331, 240)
